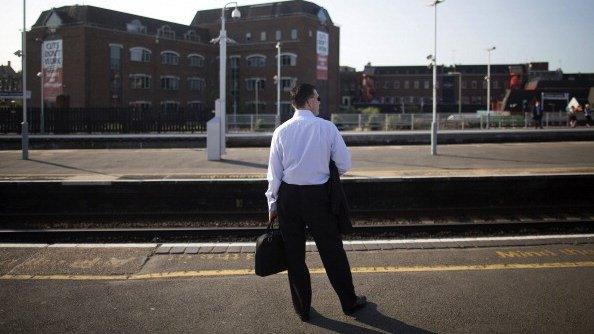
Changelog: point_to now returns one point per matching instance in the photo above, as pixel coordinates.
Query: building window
(191, 35)
(406, 84)
(416, 84)
(386, 84)
(396, 84)
(140, 81)
(169, 82)
(196, 60)
(495, 84)
(170, 106)
(195, 84)
(234, 62)
(279, 35)
(251, 107)
(250, 83)
(248, 36)
(463, 84)
(426, 84)
(484, 84)
(263, 36)
(141, 105)
(411, 99)
(195, 105)
(287, 83)
(473, 84)
(140, 54)
(169, 58)
(293, 33)
(288, 59)
(135, 27)
(166, 32)
(256, 61)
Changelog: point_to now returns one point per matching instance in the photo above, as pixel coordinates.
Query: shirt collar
(303, 113)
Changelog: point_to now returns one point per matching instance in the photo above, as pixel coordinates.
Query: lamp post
(433, 59)
(488, 78)
(24, 125)
(223, 71)
(42, 120)
(278, 84)
(459, 74)
(256, 88)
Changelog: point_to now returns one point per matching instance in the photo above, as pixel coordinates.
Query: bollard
(386, 123)
(412, 121)
(360, 126)
(213, 139)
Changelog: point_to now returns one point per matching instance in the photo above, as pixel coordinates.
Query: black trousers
(301, 206)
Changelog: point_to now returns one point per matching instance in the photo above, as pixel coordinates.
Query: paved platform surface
(508, 287)
(238, 163)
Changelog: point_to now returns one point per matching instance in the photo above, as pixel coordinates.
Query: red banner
(322, 68)
(51, 62)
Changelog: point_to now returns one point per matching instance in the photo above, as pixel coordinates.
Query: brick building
(100, 58)
(10, 85)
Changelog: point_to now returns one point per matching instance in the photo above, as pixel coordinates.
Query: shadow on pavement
(68, 167)
(369, 316)
(245, 163)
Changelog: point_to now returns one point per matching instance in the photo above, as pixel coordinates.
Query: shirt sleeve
(340, 153)
(275, 172)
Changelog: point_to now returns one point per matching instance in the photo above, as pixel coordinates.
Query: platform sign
(51, 64)
(322, 49)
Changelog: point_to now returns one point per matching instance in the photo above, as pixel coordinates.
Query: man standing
(537, 112)
(298, 171)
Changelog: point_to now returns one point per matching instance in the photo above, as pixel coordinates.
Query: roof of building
(266, 10)
(111, 19)
(7, 71)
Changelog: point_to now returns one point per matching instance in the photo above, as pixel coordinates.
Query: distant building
(10, 84)
(98, 58)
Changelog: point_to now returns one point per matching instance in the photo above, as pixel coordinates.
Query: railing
(130, 120)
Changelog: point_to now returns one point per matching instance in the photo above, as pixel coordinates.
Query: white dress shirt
(300, 153)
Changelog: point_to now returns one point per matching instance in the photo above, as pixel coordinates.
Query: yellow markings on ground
(355, 270)
(544, 253)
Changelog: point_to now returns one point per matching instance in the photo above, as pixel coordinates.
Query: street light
(488, 78)
(223, 70)
(42, 124)
(433, 59)
(459, 74)
(278, 83)
(24, 125)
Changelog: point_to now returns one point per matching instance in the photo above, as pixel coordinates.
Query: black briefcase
(270, 253)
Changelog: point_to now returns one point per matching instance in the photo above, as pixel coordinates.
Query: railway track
(249, 233)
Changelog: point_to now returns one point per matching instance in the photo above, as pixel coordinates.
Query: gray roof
(107, 18)
(272, 9)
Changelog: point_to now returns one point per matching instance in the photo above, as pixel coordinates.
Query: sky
(394, 32)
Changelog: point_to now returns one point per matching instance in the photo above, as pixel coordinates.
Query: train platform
(509, 284)
(371, 162)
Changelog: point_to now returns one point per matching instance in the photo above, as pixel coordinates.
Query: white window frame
(200, 86)
(163, 103)
(232, 64)
(145, 54)
(294, 34)
(166, 32)
(279, 35)
(250, 83)
(168, 52)
(292, 83)
(255, 55)
(196, 55)
(192, 35)
(133, 84)
(176, 78)
(263, 36)
(292, 58)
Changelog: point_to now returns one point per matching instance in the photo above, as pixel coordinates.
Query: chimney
(9, 63)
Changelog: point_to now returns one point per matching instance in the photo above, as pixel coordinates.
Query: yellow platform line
(355, 270)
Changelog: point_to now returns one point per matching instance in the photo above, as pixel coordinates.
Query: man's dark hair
(301, 93)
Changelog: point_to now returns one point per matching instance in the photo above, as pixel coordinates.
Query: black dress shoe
(359, 304)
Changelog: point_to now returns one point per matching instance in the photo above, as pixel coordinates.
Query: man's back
(306, 144)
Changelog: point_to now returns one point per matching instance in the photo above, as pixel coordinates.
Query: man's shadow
(369, 316)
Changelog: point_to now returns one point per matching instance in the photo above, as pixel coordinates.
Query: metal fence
(105, 120)
(132, 120)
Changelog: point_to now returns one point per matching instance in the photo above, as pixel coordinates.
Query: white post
(223, 79)
(257, 87)
(24, 125)
(489, 85)
(434, 121)
(42, 120)
(278, 84)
